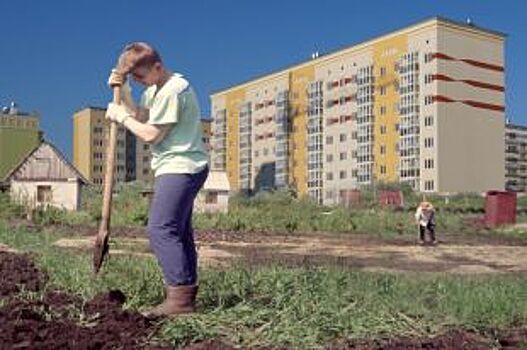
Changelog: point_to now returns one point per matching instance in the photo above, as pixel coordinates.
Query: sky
(55, 56)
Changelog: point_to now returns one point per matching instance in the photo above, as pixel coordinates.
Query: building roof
(217, 180)
(515, 127)
(437, 19)
(44, 148)
(96, 108)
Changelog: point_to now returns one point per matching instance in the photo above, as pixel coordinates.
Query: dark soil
(19, 273)
(59, 320)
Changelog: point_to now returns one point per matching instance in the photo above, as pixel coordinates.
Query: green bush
(9, 209)
(129, 207)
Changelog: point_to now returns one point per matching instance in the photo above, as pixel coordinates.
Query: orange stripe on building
(472, 62)
(474, 83)
(472, 103)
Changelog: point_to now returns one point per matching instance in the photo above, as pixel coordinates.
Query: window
(44, 194)
(428, 56)
(383, 129)
(383, 110)
(342, 174)
(383, 71)
(329, 140)
(329, 176)
(211, 197)
(429, 78)
(429, 163)
(429, 142)
(383, 149)
(342, 137)
(329, 158)
(382, 90)
(429, 185)
(383, 169)
(429, 100)
(256, 154)
(429, 120)
(343, 156)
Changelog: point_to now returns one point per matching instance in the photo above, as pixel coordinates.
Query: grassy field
(303, 307)
(282, 212)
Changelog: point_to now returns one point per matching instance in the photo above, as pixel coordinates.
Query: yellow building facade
(90, 135)
(423, 105)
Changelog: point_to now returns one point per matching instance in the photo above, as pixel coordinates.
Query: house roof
(217, 180)
(67, 169)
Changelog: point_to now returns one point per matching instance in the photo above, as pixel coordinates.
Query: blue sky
(55, 55)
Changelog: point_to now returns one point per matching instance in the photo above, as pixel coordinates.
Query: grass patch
(303, 307)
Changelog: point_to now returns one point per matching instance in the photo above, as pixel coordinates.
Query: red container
(500, 208)
(350, 198)
(391, 198)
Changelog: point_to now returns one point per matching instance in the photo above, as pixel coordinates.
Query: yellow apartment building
(422, 105)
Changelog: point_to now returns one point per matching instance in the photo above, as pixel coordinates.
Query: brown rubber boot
(179, 300)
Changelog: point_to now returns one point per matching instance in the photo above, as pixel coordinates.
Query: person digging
(168, 118)
(425, 219)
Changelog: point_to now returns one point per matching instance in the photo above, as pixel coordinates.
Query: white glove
(117, 113)
(117, 79)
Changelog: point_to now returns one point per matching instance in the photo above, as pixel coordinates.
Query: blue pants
(170, 226)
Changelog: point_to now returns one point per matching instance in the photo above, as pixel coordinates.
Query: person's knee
(164, 232)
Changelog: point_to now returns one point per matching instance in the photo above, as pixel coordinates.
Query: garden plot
(33, 316)
(470, 255)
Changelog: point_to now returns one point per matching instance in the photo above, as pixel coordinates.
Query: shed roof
(45, 163)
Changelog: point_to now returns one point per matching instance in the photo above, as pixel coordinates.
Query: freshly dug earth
(19, 273)
(59, 320)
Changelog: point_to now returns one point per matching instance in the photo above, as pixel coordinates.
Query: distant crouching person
(425, 219)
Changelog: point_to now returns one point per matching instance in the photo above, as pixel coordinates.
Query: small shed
(214, 196)
(46, 177)
(391, 198)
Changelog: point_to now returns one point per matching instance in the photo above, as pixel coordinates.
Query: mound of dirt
(453, 340)
(19, 273)
(54, 323)
(59, 320)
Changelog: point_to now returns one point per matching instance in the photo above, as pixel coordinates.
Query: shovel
(101, 243)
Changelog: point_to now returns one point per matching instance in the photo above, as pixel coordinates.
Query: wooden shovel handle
(109, 174)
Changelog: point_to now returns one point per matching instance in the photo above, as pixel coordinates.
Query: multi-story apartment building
(516, 158)
(423, 105)
(19, 135)
(143, 158)
(133, 157)
(206, 129)
(90, 134)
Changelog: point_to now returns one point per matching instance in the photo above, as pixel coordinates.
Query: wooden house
(46, 177)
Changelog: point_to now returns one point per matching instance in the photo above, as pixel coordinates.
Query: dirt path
(464, 256)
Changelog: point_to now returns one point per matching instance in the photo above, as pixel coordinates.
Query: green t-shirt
(182, 150)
